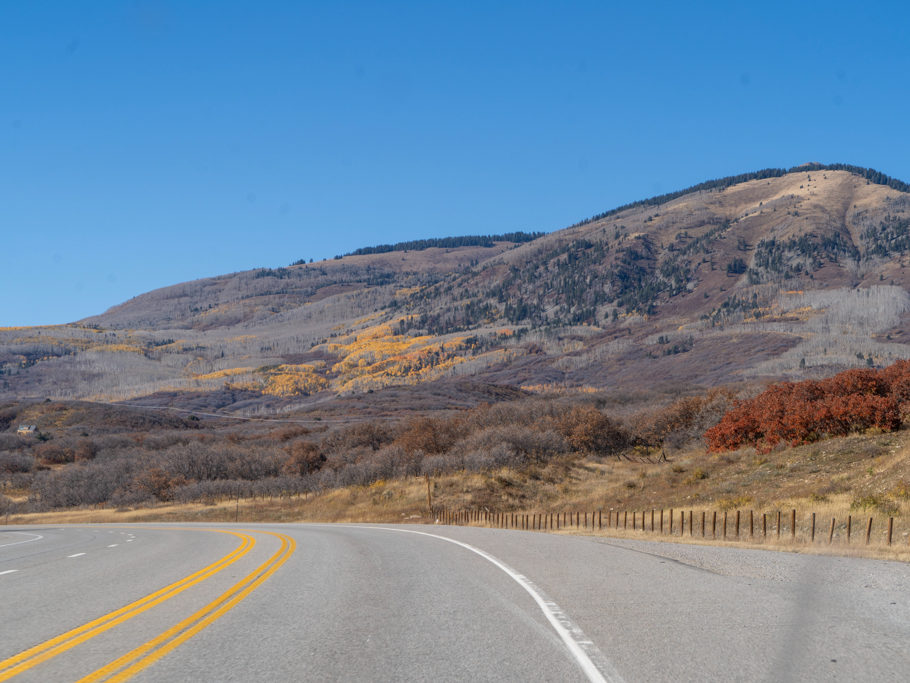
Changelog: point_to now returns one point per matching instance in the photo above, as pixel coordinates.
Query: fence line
(652, 523)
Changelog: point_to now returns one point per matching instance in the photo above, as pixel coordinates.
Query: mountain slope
(772, 274)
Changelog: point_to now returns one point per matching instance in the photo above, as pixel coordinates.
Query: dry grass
(860, 476)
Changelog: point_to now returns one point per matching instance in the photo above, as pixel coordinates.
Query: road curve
(410, 603)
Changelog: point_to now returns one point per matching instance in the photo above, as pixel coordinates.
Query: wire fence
(776, 526)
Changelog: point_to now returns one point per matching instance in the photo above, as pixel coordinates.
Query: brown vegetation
(72, 463)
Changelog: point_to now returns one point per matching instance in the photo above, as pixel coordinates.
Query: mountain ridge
(774, 274)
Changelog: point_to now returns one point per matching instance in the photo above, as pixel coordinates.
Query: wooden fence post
(868, 531)
(671, 521)
(702, 523)
(849, 527)
(751, 526)
(890, 528)
(661, 520)
(652, 520)
(778, 524)
(737, 525)
(625, 519)
(793, 524)
(725, 525)
(764, 525)
(812, 531)
(714, 524)
(600, 519)
(831, 532)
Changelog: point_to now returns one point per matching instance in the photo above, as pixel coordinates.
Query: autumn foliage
(801, 412)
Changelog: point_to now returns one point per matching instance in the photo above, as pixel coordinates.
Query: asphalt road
(370, 603)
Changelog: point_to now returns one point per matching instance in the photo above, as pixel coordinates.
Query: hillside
(102, 463)
(776, 274)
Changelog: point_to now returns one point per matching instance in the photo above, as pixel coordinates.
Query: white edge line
(571, 634)
(8, 571)
(76, 555)
(37, 537)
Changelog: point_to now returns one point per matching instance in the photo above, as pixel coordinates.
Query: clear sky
(151, 142)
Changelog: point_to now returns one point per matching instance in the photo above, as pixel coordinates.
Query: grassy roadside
(861, 476)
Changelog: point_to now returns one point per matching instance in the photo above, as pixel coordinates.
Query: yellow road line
(143, 656)
(27, 659)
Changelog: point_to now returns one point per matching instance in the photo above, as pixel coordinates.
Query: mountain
(782, 273)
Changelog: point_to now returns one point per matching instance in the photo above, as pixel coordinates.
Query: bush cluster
(185, 463)
(802, 412)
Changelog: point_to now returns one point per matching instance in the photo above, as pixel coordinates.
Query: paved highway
(421, 603)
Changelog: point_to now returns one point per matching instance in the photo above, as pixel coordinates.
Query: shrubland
(132, 457)
(543, 452)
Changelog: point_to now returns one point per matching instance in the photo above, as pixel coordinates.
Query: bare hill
(767, 275)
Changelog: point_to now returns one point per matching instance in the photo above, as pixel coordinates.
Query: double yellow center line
(134, 661)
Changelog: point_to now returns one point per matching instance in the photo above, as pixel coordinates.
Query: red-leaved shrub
(800, 412)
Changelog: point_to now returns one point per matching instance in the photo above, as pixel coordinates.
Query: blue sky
(151, 142)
